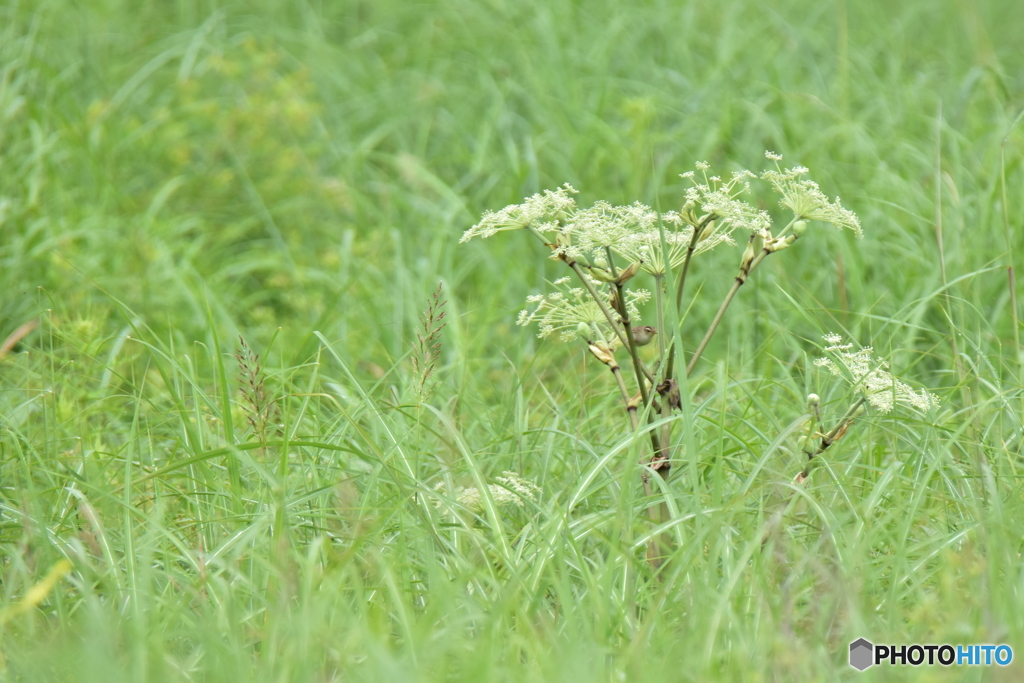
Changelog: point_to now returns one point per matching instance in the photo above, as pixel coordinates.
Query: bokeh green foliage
(184, 172)
(263, 153)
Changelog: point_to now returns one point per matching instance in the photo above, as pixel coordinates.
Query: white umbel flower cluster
(646, 246)
(605, 225)
(807, 202)
(509, 489)
(542, 212)
(870, 375)
(632, 230)
(562, 312)
(719, 198)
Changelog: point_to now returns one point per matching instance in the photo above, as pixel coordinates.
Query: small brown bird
(643, 335)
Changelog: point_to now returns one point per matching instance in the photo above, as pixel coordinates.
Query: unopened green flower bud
(583, 331)
(601, 352)
(784, 243)
(748, 258)
(813, 400)
(628, 272)
(601, 274)
(708, 231)
(799, 228)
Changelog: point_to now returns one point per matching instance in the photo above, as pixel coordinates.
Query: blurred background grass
(185, 172)
(291, 165)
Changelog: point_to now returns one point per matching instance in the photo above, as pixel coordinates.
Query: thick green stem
(599, 349)
(657, 547)
(626, 342)
(745, 270)
(630, 408)
(659, 281)
(714, 326)
(834, 435)
(666, 429)
(697, 232)
(616, 327)
(634, 353)
(624, 337)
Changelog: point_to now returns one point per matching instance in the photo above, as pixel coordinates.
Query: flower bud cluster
(510, 489)
(870, 376)
(572, 309)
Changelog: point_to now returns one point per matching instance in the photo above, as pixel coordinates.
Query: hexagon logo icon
(861, 652)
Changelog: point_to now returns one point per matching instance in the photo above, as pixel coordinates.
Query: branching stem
(745, 270)
(616, 327)
(634, 422)
(638, 366)
(834, 435)
(666, 430)
(697, 232)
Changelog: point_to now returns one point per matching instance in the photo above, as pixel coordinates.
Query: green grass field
(174, 175)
